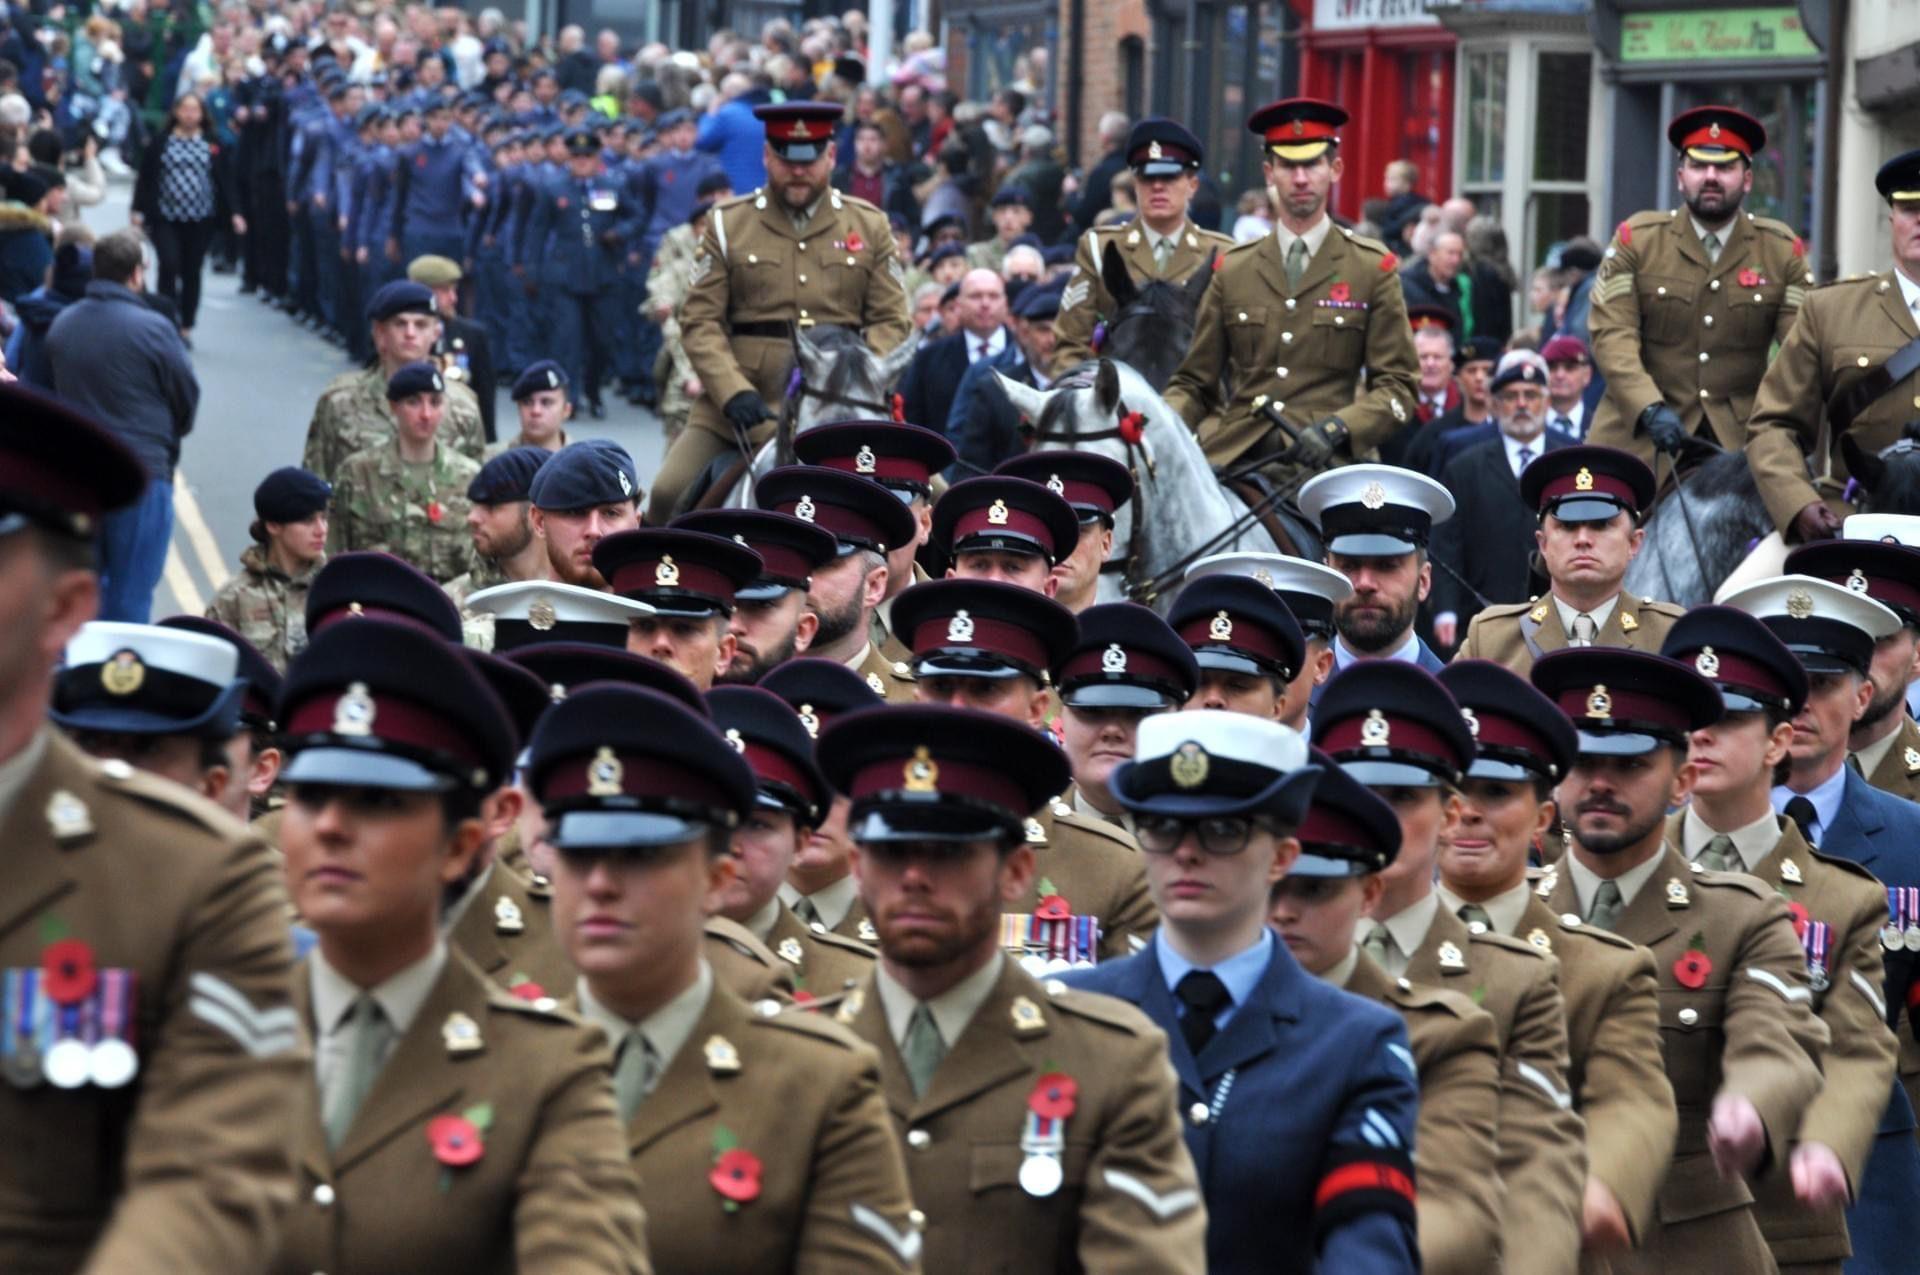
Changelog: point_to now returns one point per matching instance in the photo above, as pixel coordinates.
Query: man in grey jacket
(125, 365)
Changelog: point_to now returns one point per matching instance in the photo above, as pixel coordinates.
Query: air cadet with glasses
(1348, 837)
(1095, 487)
(1738, 1037)
(760, 1137)
(1377, 521)
(1040, 1123)
(1245, 641)
(1839, 912)
(454, 1126)
(1312, 594)
(1393, 727)
(1299, 1100)
(1523, 747)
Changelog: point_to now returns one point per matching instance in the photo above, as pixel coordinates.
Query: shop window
(1783, 184)
(1133, 73)
(1563, 97)
(1486, 116)
(1426, 83)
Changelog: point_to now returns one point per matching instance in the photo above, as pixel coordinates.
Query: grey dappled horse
(1698, 533)
(1184, 508)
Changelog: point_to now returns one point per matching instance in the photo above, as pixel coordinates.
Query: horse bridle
(798, 392)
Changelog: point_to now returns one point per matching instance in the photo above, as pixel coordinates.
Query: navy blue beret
(542, 375)
(290, 494)
(402, 296)
(508, 476)
(596, 471)
(419, 377)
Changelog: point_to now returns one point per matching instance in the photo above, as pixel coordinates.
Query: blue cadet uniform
(1300, 1099)
(577, 233)
(432, 181)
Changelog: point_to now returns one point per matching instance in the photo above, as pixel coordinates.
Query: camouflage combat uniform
(266, 606)
(416, 512)
(667, 283)
(353, 414)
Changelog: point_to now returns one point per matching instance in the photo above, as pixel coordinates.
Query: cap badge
(734, 741)
(1599, 704)
(540, 614)
(864, 460)
(960, 627)
(1799, 604)
(1221, 627)
(1055, 486)
(1706, 664)
(1373, 496)
(605, 774)
(460, 1034)
(1713, 130)
(353, 713)
(553, 379)
(1451, 957)
(1189, 765)
(626, 483)
(921, 773)
(1263, 576)
(667, 573)
(797, 130)
(997, 513)
(1857, 582)
(804, 511)
(1113, 659)
(1583, 481)
(1153, 150)
(1298, 128)
(1473, 722)
(1376, 730)
(123, 673)
(810, 720)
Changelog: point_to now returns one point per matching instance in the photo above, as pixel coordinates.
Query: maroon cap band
(1079, 493)
(1141, 666)
(1248, 635)
(643, 576)
(396, 720)
(1327, 827)
(952, 779)
(1588, 482)
(882, 466)
(45, 487)
(1894, 592)
(844, 523)
(1508, 732)
(771, 766)
(1402, 736)
(1015, 522)
(645, 776)
(1168, 152)
(780, 561)
(1626, 706)
(996, 637)
(1736, 671)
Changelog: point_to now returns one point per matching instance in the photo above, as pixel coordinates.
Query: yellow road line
(186, 512)
(186, 595)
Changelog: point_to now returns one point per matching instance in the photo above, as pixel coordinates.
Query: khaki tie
(1162, 253)
(1718, 856)
(370, 1032)
(1607, 906)
(1473, 914)
(635, 1073)
(807, 913)
(1296, 262)
(1711, 242)
(1584, 629)
(923, 1049)
(1378, 944)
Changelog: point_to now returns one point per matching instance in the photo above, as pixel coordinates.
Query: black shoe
(596, 409)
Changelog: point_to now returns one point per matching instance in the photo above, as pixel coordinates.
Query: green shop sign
(1714, 35)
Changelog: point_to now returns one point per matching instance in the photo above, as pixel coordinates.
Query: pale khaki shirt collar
(832, 902)
(952, 1009)
(1504, 909)
(1341, 974)
(17, 769)
(1585, 881)
(1314, 237)
(1081, 806)
(761, 923)
(1601, 614)
(1409, 927)
(1154, 237)
(1753, 842)
(667, 1029)
(1725, 232)
(1869, 757)
(1909, 290)
(400, 998)
(859, 657)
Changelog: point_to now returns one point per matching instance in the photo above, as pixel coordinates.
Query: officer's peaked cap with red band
(800, 131)
(1736, 651)
(790, 550)
(1010, 514)
(1716, 134)
(1624, 703)
(893, 454)
(767, 731)
(859, 512)
(960, 627)
(1298, 128)
(1392, 724)
(1093, 484)
(1587, 483)
(677, 572)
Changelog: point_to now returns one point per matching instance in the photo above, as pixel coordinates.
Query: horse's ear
(1026, 399)
(1114, 273)
(1866, 467)
(1106, 388)
(813, 360)
(894, 362)
(1196, 284)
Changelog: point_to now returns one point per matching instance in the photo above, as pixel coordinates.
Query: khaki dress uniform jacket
(507, 932)
(824, 963)
(1086, 301)
(1098, 869)
(1518, 633)
(801, 1094)
(1899, 771)
(1299, 350)
(1858, 1064)
(1617, 1077)
(1844, 332)
(743, 964)
(1748, 1030)
(1129, 1200)
(552, 1190)
(188, 1168)
(1543, 1159)
(1669, 324)
(353, 414)
(891, 680)
(1456, 1146)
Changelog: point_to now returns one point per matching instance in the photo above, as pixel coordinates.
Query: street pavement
(260, 375)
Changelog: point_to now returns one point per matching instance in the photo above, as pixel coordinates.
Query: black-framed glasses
(1216, 834)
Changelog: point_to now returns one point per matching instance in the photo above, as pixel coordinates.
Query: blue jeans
(133, 554)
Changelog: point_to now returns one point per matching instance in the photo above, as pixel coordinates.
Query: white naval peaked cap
(1375, 510)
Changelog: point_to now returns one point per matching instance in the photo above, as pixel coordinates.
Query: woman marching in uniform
(455, 1127)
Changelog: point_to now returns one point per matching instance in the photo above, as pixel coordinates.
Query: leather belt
(771, 331)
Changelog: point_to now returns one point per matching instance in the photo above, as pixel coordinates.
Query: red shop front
(1390, 63)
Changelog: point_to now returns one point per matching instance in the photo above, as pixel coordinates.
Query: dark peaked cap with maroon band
(59, 468)
(1587, 483)
(619, 768)
(820, 691)
(1238, 625)
(367, 584)
(563, 666)
(923, 772)
(900, 457)
(1884, 570)
(859, 512)
(1392, 724)
(1126, 657)
(1349, 831)
(1738, 653)
(677, 572)
(387, 704)
(1626, 703)
(790, 550)
(765, 730)
(1518, 733)
(1094, 485)
(982, 628)
(1008, 514)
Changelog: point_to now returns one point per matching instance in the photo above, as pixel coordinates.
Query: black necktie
(1800, 810)
(1204, 995)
